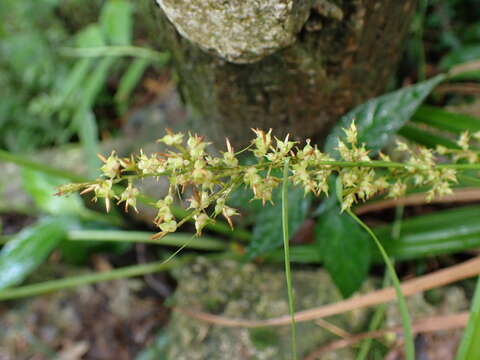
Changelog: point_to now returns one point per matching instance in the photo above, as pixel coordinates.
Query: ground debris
(106, 321)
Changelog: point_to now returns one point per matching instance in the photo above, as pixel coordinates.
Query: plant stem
(375, 323)
(176, 239)
(402, 304)
(286, 246)
(70, 282)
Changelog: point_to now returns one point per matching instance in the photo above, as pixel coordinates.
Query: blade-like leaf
(426, 138)
(440, 233)
(117, 22)
(443, 232)
(470, 347)
(445, 120)
(380, 118)
(27, 250)
(461, 55)
(345, 250)
(42, 187)
(267, 233)
(84, 119)
(129, 81)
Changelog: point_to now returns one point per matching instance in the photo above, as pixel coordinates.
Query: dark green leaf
(27, 250)
(426, 138)
(462, 55)
(345, 250)
(378, 119)
(445, 120)
(301, 254)
(443, 232)
(267, 232)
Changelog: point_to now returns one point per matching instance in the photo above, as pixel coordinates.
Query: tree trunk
(326, 57)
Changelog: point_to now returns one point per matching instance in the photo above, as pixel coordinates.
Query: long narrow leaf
(445, 120)
(26, 251)
(74, 281)
(470, 346)
(426, 138)
(117, 22)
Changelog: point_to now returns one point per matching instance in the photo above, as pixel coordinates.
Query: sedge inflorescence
(204, 182)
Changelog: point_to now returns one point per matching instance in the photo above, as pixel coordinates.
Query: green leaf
(469, 348)
(91, 36)
(84, 118)
(461, 55)
(117, 22)
(42, 187)
(444, 232)
(28, 249)
(87, 130)
(74, 80)
(445, 120)
(378, 119)
(345, 250)
(267, 232)
(426, 138)
(129, 81)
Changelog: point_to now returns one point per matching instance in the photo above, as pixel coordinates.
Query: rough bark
(344, 54)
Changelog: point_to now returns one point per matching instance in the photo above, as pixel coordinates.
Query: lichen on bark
(240, 31)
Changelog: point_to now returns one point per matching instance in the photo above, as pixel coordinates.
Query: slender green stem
(379, 314)
(176, 239)
(393, 164)
(286, 246)
(375, 323)
(402, 304)
(74, 281)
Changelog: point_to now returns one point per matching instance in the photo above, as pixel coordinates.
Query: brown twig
(439, 278)
(464, 195)
(425, 325)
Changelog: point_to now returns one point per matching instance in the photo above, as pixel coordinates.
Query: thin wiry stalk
(288, 273)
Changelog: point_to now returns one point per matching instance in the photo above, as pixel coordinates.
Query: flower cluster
(204, 181)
